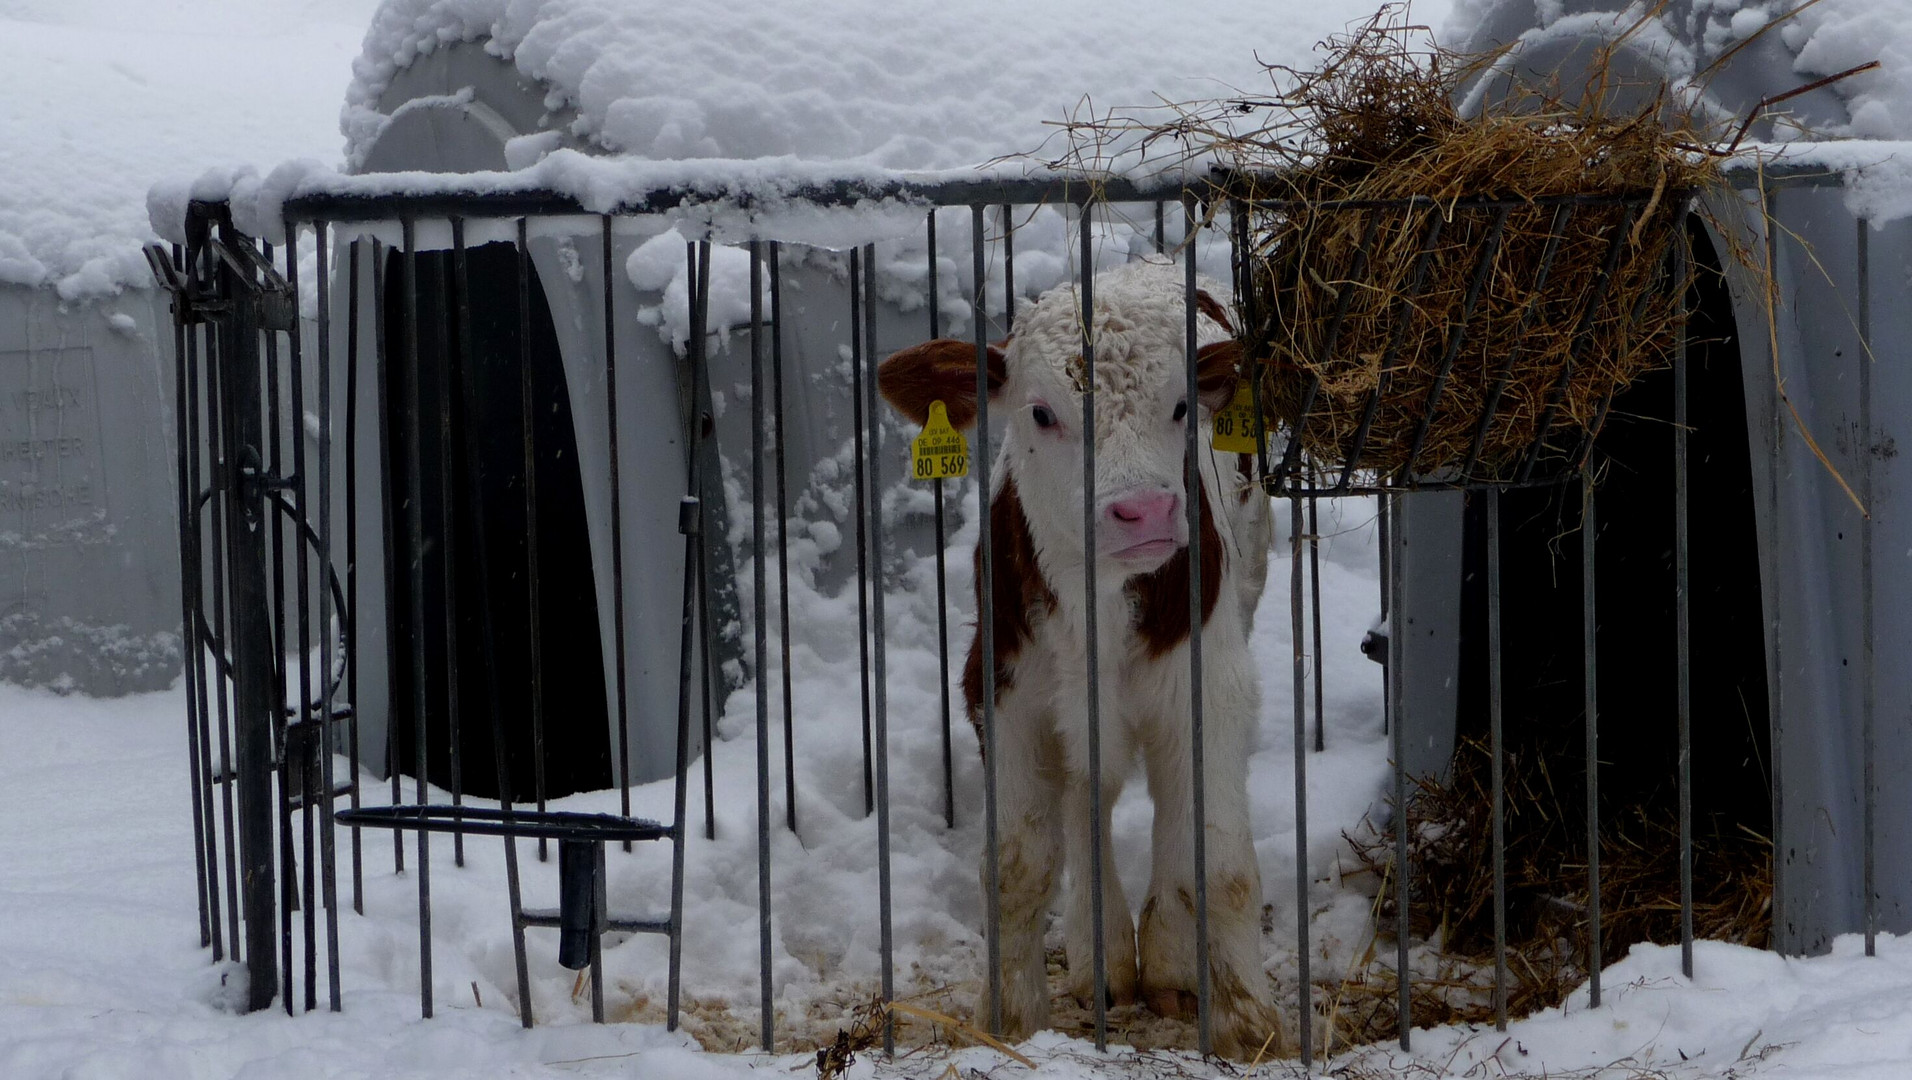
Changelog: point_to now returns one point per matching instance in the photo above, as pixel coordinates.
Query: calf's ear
(942, 370)
(1216, 372)
(1213, 308)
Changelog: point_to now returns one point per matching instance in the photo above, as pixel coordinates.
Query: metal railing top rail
(380, 197)
(508, 195)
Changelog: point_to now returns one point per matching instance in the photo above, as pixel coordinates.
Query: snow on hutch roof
(99, 98)
(1687, 38)
(867, 82)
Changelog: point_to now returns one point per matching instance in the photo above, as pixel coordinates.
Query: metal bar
(1198, 775)
(288, 868)
(702, 435)
(861, 502)
(350, 614)
(1583, 332)
(388, 511)
(1403, 311)
(295, 377)
(1456, 335)
(256, 710)
(1314, 608)
(1160, 237)
(1588, 531)
(598, 915)
(1242, 255)
(886, 933)
(1868, 703)
(415, 522)
(942, 545)
(760, 615)
(688, 515)
(1090, 603)
(1682, 587)
(328, 853)
(208, 637)
(1383, 506)
(617, 531)
(1776, 668)
(1497, 748)
(1304, 986)
(534, 587)
(508, 821)
(783, 538)
(1492, 402)
(219, 455)
(986, 632)
(204, 854)
(511, 195)
(1291, 459)
(450, 373)
(1376, 487)
(1403, 870)
(1008, 271)
(487, 623)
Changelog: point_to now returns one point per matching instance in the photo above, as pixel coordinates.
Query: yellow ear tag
(1237, 424)
(940, 452)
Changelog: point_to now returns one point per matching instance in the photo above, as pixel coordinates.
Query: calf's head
(1036, 378)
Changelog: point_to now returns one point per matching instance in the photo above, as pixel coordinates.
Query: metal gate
(266, 585)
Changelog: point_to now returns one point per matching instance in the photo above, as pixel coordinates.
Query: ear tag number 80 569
(940, 452)
(1236, 423)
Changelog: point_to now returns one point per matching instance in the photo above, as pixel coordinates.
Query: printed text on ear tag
(940, 452)
(1236, 424)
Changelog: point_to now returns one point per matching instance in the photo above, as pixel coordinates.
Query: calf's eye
(1181, 410)
(1043, 417)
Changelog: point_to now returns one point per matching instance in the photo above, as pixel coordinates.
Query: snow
(101, 973)
(1822, 39)
(1841, 34)
(103, 97)
(99, 964)
(106, 97)
(859, 81)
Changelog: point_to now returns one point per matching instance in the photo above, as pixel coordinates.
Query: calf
(1142, 616)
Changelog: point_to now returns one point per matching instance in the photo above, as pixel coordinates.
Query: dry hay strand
(1359, 307)
(1451, 851)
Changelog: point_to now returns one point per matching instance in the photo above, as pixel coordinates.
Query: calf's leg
(1118, 927)
(1029, 862)
(1243, 1019)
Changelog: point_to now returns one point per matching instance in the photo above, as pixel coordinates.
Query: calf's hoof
(1174, 1004)
(1121, 987)
(1247, 1030)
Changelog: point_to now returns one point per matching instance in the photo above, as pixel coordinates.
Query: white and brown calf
(1040, 681)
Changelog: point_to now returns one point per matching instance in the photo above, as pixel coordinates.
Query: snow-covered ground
(101, 973)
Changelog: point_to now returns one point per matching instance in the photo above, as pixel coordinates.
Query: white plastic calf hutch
(1799, 601)
(89, 597)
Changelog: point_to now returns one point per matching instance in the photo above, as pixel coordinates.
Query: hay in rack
(1513, 278)
(1430, 281)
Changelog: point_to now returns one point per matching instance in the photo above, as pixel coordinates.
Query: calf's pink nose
(1145, 511)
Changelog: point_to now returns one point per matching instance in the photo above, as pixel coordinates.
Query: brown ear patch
(941, 370)
(1216, 372)
(1213, 308)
